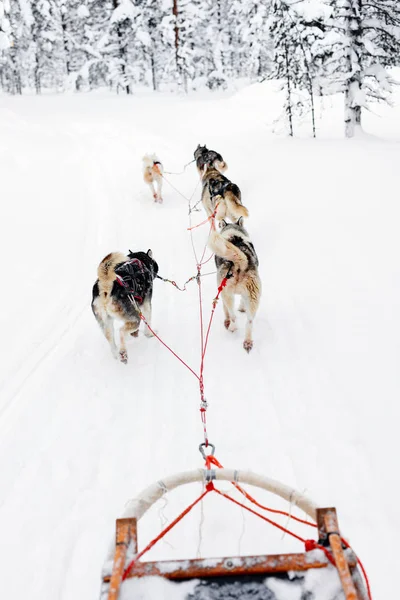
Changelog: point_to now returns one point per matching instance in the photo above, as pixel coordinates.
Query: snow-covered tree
(290, 60)
(366, 42)
(48, 45)
(4, 26)
(256, 39)
(154, 43)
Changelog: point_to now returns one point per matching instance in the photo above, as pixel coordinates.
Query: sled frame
(328, 530)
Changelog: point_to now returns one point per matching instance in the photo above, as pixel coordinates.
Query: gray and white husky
(236, 257)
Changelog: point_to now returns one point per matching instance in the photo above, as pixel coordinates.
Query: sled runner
(234, 576)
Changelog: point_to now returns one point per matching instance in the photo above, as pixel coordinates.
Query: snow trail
(313, 405)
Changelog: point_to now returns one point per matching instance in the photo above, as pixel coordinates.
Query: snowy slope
(314, 404)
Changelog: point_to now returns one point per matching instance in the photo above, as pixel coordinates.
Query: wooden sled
(235, 576)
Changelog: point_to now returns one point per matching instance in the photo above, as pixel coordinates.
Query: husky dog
(235, 256)
(218, 191)
(123, 288)
(221, 196)
(152, 172)
(203, 156)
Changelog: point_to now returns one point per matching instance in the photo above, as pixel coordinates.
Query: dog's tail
(220, 165)
(106, 272)
(225, 249)
(235, 207)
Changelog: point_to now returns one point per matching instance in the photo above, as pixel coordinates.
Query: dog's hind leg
(250, 301)
(228, 300)
(146, 310)
(159, 186)
(129, 327)
(107, 326)
(153, 190)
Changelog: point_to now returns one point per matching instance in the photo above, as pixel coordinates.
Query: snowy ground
(314, 405)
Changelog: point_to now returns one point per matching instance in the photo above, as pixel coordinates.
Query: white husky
(152, 173)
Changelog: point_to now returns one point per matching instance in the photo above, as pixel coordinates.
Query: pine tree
(256, 39)
(289, 64)
(367, 42)
(49, 49)
(4, 26)
(154, 43)
(121, 39)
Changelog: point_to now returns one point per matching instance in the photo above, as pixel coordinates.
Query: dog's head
(150, 159)
(208, 158)
(147, 259)
(238, 225)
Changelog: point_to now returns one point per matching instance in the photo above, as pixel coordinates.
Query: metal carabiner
(202, 450)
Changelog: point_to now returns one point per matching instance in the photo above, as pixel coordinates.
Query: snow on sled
(327, 570)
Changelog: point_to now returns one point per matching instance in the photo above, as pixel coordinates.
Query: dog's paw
(135, 333)
(123, 356)
(230, 325)
(248, 345)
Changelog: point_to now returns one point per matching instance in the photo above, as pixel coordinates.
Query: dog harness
(218, 188)
(134, 277)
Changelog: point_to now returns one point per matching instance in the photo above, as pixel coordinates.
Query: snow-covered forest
(87, 88)
(318, 47)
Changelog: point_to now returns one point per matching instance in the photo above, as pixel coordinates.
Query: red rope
(308, 544)
(206, 261)
(212, 460)
(168, 348)
(150, 545)
(203, 406)
(261, 516)
(203, 403)
(208, 220)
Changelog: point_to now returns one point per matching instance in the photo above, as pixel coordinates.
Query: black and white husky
(220, 197)
(208, 158)
(236, 257)
(123, 289)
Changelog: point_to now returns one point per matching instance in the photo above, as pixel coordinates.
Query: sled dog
(152, 173)
(235, 256)
(123, 288)
(203, 156)
(219, 195)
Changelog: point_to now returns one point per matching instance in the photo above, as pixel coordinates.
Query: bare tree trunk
(352, 111)
(16, 75)
(37, 81)
(37, 73)
(122, 52)
(153, 72)
(182, 78)
(16, 78)
(176, 29)
(289, 94)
